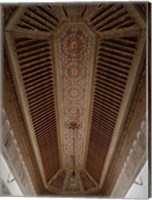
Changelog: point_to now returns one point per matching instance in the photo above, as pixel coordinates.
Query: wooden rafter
(20, 90)
(124, 106)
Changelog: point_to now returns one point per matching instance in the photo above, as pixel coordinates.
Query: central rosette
(74, 58)
(73, 43)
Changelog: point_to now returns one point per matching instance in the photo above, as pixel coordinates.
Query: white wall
(140, 191)
(5, 174)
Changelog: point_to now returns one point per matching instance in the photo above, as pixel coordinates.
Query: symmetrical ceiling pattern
(73, 62)
(74, 58)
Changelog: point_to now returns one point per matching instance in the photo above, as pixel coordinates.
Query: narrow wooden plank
(111, 49)
(108, 88)
(118, 10)
(107, 107)
(111, 76)
(108, 84)
(36, 22)
(100, 14)
(112, 114)
(113, 56)
(40, 83)
(39, 104)
(38, 15)
(90, 9)
(119, 84)
(103, 99)
(31, 78)
(117, 33)
(117, 45)
(34, 57)
(35, 44)
(100, 113)
(117, 21)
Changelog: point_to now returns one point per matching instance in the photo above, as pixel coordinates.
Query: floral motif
(74, 49)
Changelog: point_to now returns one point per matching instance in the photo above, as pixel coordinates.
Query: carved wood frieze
(135, 161)
(14, 159)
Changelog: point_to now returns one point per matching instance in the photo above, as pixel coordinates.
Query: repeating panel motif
(74, 49)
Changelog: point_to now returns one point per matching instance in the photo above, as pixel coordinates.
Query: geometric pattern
(74, 44)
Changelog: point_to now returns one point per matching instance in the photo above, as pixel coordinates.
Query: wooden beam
(131, 8)
(58, 11)
(91, 8)
(117, 33)
(29, 34)
(54, 177)
(80, 183)
(65, 181)
(17, 15)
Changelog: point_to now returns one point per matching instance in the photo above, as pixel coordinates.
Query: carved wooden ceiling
(74, 62)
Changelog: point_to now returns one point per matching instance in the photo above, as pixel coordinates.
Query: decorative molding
(134, 163)
(14, 158)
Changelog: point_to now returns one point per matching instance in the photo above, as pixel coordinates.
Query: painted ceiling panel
(75, 47)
